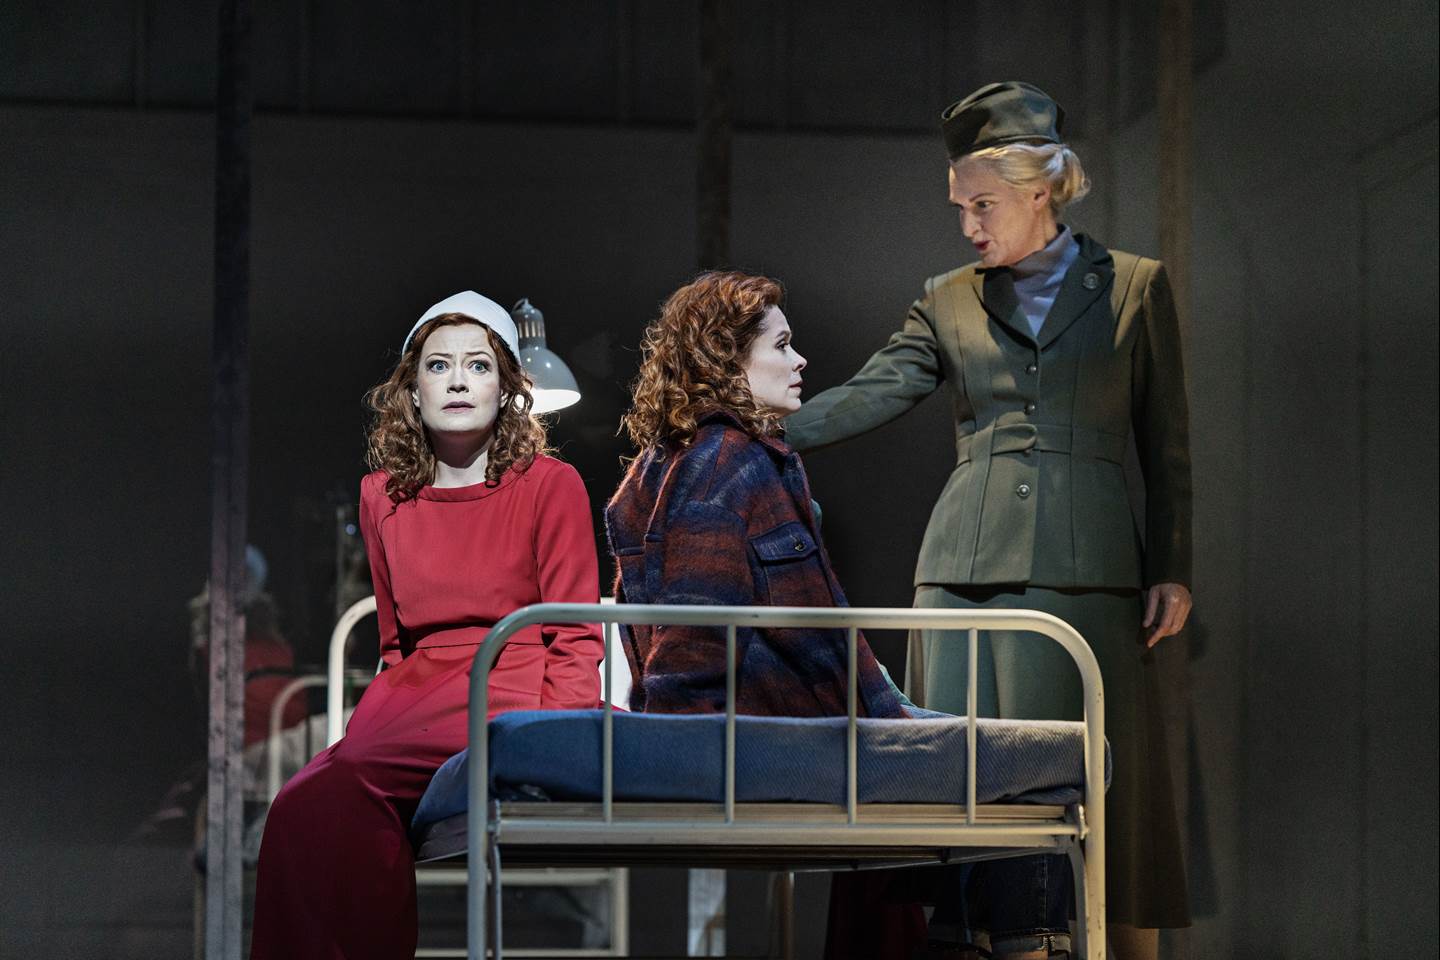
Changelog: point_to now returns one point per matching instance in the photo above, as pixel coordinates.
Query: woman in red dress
(465, 519)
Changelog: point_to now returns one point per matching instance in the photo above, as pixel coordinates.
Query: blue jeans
(1019, 900)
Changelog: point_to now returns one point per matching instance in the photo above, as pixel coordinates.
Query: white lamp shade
(555, 387)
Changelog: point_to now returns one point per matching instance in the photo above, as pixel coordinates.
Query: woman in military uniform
(1057, 351)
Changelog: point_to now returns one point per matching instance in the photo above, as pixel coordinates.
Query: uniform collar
(1089, 276)
(1088, 279)
(1049, 258)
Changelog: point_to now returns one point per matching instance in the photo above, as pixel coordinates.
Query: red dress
(336, 876)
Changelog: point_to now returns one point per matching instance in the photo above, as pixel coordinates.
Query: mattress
(555, 755)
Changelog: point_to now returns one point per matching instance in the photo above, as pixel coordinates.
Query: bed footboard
(819, 836)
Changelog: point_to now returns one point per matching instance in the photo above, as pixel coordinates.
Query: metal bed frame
(335, 689)
(784, 836)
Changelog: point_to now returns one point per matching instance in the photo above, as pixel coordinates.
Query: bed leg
(782, 912)
(1083, 901)
(496, 922)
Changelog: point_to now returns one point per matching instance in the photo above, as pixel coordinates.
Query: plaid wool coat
(729, 520)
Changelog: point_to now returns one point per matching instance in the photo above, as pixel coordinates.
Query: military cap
(999, 113)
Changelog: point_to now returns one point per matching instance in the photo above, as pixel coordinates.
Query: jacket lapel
(1001, 303)
(1088, 278)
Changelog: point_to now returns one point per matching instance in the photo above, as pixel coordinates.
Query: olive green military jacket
(1042, 425)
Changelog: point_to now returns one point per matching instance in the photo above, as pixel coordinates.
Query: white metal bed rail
(335, 689)
(483, 853)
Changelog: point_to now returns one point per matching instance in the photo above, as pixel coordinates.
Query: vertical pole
(852, 739)
(731, 666)
(787, 916)
(607, 734)
(1175, 100)
(477, 822)
(972, 723)
(1176, 103)
(230, 426)
(714, 128)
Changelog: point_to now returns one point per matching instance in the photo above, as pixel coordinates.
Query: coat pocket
(788, 567)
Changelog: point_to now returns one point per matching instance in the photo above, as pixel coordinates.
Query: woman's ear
(1040, 199)
(415, 398)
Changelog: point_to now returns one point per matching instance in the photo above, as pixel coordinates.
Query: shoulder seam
(949, 276)
(1136, 262)
(707, 486)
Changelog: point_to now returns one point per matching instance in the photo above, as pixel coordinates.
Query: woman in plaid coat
(716, 509)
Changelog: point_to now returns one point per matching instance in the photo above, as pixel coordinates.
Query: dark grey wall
(1312, 353)
(1304, 712)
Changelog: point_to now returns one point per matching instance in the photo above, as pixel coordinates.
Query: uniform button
(1090, 281)
(1029, 408)
(1022, 491)
(1031, 369)
(799, 545)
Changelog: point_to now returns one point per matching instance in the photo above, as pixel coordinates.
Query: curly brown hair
(398, 443)
(692, 359)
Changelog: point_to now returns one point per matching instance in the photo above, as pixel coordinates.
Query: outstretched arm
(899, 375)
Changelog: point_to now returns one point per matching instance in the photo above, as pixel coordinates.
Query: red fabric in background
(336, 876)
(268, 651)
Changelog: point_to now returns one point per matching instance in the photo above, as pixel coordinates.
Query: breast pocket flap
(790, 541)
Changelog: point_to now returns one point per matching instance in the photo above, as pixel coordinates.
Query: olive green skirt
(1026, 676)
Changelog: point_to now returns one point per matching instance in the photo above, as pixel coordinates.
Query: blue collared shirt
(1038, 277)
